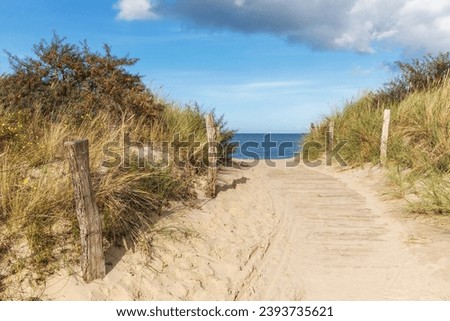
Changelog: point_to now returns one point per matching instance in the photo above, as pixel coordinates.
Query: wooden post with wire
(92, 256)
(384, 136)
(212, 132)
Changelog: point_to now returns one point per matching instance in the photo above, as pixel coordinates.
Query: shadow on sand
(233, 185)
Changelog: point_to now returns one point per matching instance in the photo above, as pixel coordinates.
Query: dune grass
(418, 147)
(39, 231)
(37, 208)
(419, 138)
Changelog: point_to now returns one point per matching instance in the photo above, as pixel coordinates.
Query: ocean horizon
(267, 145)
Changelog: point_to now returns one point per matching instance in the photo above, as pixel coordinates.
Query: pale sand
(281, 234)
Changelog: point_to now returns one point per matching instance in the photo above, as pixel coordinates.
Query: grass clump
(67, 92)
(419, 137)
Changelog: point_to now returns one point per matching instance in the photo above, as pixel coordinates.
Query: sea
(266, 145)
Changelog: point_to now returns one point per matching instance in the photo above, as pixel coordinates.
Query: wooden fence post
(384, 137)
(212, 134)
(330, 138)
(92, 257)
(329, 143)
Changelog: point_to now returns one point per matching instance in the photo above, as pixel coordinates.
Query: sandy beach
(117, 119)
(278, 233)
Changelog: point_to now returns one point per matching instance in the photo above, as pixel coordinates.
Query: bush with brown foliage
(418, 75)
(74, 80)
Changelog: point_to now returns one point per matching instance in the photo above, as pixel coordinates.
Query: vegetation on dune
(68, 92)
(419, 137)
(66, 79)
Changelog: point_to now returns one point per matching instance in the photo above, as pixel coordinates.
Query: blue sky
(269, 66)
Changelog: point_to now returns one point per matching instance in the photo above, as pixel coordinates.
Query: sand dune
(280, 234)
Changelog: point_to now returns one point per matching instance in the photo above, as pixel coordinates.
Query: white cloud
(134, 10)
(420, 25)
(359, 25)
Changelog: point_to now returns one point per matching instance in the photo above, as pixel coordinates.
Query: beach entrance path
(278, 233)
(336, 240)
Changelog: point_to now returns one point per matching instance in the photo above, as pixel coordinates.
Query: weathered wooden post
(329, 143)
(384, 137)
(212, 134)
(92, 257)
(330, 132)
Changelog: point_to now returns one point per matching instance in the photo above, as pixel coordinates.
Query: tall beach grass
(419, 139)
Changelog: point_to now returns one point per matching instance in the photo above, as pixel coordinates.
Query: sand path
(277, 233)
(338, 241)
